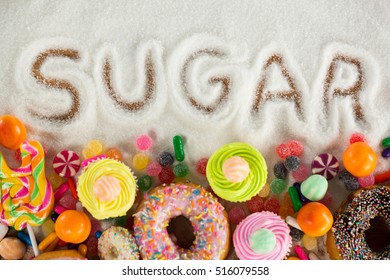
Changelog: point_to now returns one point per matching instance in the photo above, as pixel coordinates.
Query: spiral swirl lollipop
(236, 172)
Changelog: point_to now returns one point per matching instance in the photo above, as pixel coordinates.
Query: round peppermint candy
(326, 165)
(66, 163)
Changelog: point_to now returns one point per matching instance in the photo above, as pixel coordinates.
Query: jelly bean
(180, 170)
(144, 183)
(292, 163)
(360, 159)
(357, 137)
(278, 186)
(12, 132)
(236, 215)
(144, 142)
(315, 219)
(380, 178)
(201, 166)
(292, 258)
(3, 230)
(283, 151)
(153, 169)
(178, 147)
(165, 159)
(386, 153)
(82, 249)
(301, 196)
(314, 187)
(255, 204)
(300, 253)
(114, 153)
(386, 142)
(295, 198)
(73, 226)
(280, 171)
(62, 189)
(140, 161)
(59, 209)
(24, 238)
(72, 187)
(47, 241)
(295, 147)
(52, 246)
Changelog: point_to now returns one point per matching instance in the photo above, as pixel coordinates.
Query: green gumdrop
(144, 183)
(314, 187)
(278, 186)
(180, 170)
(386, 142)
(262, 241)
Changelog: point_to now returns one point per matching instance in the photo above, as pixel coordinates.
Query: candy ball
(315, 219)
(114, 153)
(144, 183)
(357, 137)
(367, 181)
(262, 241)
(140, 161)
(165, 159)
(153, 169)
(94, 148)
(272, 204)
(166, 176)
(280, 171)
(201, 166)
(180, 170)
(292, 163)
(314, 187)
(278, 186)
(296, 148)
(235, 169)
(12, 132)
(255, 204)
(11, 248)
(360, 159)
(265, 190)
(144, 142)
(236, 215)
(283, 151)
(107, 188)
(301, 173)
(73, 226)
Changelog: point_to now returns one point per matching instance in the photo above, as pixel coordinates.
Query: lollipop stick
(33, 240)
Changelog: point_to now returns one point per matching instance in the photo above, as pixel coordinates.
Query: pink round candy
(201, 166)
(144, 142)
(153, 169)
(301, 173)
(236, 215)
(68, 201)
(66, 163)
(235, 169)
(367, 181)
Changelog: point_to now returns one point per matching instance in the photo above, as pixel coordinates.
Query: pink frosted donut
(262, 236)
(206, 214)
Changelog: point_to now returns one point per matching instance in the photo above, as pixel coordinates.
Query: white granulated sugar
(198, 50)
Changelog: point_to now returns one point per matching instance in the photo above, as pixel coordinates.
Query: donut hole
(181, 231)
(378, 234)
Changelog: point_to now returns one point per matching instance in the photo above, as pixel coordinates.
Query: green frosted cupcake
(236, 172)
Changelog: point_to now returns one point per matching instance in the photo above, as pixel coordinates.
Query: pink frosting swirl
(257, 221)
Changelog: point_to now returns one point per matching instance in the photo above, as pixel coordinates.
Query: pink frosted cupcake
(262, 236)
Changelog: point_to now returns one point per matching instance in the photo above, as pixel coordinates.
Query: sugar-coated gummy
(180, 170)
(144, 183)
(292, 163)
(280, 171)
(166, 159)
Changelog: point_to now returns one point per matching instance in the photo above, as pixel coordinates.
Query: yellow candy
(140, 161)
(310, 243)
(264, 191)
(47, 241)
(94, 148)
(47, 227)
(55, 180)
(82, 249)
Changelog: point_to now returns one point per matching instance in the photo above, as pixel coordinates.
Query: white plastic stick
(33, 240)
(293, 222)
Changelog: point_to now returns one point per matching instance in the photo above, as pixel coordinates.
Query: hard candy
(326, 165)
(360, 159)
(315, 219)
(235, 169)
(314, 187)
(11, 248)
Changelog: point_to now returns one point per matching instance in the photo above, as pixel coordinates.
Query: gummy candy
(178, 147)
(295, 147)
(292, 163)
(366, 181)
(265, 190)
(94, 148)
(280, 171)
(114, 153)
(310, 243)
(301, 173)
(67, 201)
(144, 142)
(166, 176)
(272, 204)
(357, 137)
(236, 215)
(283, 151)
(278, 186)
(144, 183)
(140, 161)
(201, 166)
(166, 159)
(153, 169)
(180, 170)
(351, 183)
(255, 204)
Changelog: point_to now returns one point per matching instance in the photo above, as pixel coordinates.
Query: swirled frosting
(255, 222)
(253, 183)
(113, 208)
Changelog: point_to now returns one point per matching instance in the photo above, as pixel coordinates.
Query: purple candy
(386, 152)
(326, 165)
(301, 196)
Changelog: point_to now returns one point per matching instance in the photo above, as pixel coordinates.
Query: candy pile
(82, 205)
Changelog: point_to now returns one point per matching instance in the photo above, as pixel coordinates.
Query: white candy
(3, 230)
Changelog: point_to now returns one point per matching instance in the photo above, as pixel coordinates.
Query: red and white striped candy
(326, 165)
(66, 163)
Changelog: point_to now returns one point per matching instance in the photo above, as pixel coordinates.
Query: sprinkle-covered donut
(206, 214)
(262, 236)
(354, 222)
(116, 243)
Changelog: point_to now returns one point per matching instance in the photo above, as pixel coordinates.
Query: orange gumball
(360, 159)
(315, 219)
(73, 226)
(12, 132)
